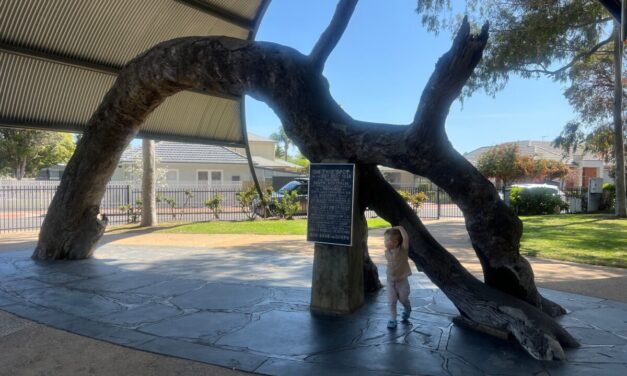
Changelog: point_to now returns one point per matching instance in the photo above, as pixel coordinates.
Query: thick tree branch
(331, 36)
(451, 73)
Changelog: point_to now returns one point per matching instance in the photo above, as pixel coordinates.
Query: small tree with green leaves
(500, 163)
(171, 203)
(245, 200)
(414, 199)
(188, 196)
(504, 163)
(215, 205)
(288, 205)
(133, 212)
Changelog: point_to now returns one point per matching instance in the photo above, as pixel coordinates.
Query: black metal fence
(24, 206)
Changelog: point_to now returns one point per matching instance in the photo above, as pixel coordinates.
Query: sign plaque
(330, 211)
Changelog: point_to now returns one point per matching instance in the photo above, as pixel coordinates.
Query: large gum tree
(293, 85)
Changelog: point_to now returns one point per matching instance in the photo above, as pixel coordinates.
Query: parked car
(300, 185)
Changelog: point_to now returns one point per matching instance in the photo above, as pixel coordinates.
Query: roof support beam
(78, 128)
(220, 13)
(83, 64)
(614, 7)
(58, 59)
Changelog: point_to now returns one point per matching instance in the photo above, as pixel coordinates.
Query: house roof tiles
(539, 149)
(176, 152)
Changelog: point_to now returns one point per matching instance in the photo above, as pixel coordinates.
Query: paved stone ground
(247, 308)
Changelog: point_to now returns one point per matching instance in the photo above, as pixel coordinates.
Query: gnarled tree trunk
(293, 85)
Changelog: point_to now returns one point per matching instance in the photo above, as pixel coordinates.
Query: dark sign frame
(338, 220)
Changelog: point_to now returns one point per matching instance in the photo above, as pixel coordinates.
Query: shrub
(288, 205)
(534, 201)
(245, 200)
(133, 212)
(416, 200)
(170, 202)
(215, 205)
(608, 197)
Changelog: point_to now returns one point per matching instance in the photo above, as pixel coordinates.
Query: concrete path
(242, 302)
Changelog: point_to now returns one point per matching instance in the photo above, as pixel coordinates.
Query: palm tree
(281, 137)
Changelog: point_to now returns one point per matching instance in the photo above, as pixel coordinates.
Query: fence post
(437, 195)
(128, 202)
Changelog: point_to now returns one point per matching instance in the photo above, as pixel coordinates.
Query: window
(216, 177)
(202, 177)
(235, 178)
(209, 177)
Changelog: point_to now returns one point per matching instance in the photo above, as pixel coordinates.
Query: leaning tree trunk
(372, 283)
(293, 85)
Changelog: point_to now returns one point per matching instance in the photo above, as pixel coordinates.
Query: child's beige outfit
(397, 272)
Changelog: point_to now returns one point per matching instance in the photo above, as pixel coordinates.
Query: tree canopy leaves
(25, 152)
(591, 94)
(504, 163)
(529, 38)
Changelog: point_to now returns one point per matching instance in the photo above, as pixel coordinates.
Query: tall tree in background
(149, 180)
(532, 39)
(282, 138)
(591, 93)
(25, 152)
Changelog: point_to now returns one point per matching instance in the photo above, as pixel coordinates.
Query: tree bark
(372, 283)
(149, 204)
(294, 87)
(619, 142)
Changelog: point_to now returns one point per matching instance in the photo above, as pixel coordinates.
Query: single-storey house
(583, 165)
(185, 164)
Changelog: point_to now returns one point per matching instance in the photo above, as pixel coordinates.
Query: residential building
(199, 164)
(583, 165)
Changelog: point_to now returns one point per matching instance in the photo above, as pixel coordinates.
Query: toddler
(397, 255)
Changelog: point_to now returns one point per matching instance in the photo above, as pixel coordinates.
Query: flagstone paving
(248, 310)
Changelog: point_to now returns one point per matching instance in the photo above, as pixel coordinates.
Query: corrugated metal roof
(59, 58)
(176, 152)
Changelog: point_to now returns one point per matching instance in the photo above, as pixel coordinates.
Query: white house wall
(264, 149)
(187, 172)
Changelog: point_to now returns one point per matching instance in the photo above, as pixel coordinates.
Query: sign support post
(337, 225)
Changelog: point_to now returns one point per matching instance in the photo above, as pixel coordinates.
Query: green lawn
(262, 227)
(597, 239)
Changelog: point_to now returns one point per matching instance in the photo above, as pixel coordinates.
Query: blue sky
(379, 68)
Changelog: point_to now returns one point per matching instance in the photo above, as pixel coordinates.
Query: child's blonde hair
(394, 234)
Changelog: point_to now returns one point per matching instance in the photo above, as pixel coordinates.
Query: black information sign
(330, 212)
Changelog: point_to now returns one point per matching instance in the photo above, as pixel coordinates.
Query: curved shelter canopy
(59, 58)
